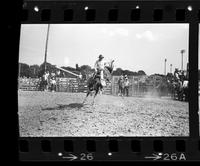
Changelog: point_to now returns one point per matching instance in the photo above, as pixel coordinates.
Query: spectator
(126, 86)
(176, 74)
(46, 77)
(121, 85)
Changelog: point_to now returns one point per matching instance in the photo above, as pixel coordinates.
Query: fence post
(29, 83)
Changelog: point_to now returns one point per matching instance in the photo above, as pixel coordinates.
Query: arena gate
(137, 86)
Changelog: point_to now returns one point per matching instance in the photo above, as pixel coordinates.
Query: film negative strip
(109, 80)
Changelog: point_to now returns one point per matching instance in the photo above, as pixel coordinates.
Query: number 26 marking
(88, 156)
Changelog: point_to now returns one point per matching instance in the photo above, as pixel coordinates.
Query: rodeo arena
(55, 104)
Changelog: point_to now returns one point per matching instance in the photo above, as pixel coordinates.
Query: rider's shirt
(99, 65)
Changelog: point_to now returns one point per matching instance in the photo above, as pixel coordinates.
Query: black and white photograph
(103, 80)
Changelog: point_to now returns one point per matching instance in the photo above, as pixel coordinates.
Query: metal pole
(165, 67)
(46, 47)
(170, 68)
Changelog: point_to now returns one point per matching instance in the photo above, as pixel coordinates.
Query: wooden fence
(74, 85)
(63, 85)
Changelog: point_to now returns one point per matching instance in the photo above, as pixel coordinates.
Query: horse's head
(109, 64)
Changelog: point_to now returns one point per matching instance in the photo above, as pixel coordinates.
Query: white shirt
(46, 76)
(185, 83)
(99, 65)
(126, 83)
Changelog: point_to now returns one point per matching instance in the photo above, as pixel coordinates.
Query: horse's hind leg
(86, 97)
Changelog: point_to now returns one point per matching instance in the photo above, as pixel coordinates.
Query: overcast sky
(132, 46)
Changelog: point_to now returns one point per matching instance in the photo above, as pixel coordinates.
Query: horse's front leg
(96, 92)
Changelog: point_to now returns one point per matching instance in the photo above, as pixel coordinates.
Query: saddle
(98, 75)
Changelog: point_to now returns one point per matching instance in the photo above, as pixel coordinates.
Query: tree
(34, 70)
(118, 72)
(49, 67)
(85, 67)
(24, 70)
(141, 72)
(86, 71)
(128, 72)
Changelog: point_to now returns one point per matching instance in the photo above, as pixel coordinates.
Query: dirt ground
(61, 114)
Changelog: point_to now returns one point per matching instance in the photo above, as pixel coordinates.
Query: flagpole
(46, 47)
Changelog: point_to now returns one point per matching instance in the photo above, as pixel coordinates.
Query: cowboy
(99, 66)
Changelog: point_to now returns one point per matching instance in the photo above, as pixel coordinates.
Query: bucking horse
(95, 84)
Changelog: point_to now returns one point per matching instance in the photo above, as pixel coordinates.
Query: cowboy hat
(101, 57)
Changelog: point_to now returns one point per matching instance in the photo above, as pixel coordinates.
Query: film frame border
(118, 148)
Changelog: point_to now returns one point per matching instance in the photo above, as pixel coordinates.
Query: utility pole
(165, 67)
(46, 47)
(182, 52)
(170, 68)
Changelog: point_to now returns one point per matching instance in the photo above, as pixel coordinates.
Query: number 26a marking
(173, 156)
